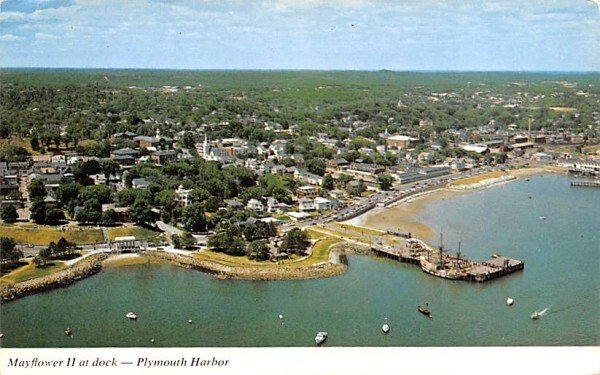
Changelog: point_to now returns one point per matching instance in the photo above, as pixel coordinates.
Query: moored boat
(424, 310)
(510, 301)
(385, 327)
(320, 338)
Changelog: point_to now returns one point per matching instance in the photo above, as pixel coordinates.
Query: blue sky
(302, 34)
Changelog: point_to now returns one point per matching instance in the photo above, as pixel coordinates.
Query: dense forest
(73, 105)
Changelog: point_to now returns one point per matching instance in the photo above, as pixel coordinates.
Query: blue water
(562, 256)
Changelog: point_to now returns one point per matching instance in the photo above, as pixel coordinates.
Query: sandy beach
(403, 215)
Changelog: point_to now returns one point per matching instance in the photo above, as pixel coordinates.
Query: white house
(322, 204)
(305, 204)
(183, 196)
(255, 205)
(274, 206)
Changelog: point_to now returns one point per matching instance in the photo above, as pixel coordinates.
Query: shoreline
(404, 214)
(333, 267)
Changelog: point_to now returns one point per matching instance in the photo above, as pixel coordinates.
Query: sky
(457, 35)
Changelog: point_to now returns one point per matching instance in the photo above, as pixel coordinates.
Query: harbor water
(562, 264)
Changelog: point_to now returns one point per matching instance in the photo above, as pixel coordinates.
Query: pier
(437, 263)
(586, 183)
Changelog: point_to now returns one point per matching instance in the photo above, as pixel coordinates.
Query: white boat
(510, 301)
(385, 327)
(535, 315)
(131, 315)
(320, 338)
(280, 316)
(542, 217)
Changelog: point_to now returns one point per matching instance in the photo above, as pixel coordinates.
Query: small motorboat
(1, 335)
(526, 179)
(535, 315)
(542, 217)
(424, 310)
(510, 301)
(190, 321)
(320, 338)
(131, 315)
(385, 327)
(68, 331)
(280, 316)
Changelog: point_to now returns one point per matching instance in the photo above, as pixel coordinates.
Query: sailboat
(385, 327)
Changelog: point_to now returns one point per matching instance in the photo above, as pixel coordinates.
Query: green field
(44, 234)
(139, 233)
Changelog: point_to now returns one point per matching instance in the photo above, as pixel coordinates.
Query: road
(385, 198)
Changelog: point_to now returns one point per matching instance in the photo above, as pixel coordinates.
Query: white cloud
(10, 38)
(45, 36)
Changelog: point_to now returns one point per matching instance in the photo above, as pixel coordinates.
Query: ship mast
(458, 257)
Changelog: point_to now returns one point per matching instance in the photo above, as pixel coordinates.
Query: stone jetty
(80, 270)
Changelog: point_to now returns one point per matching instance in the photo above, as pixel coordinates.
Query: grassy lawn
(30, 271)
(333, 232)
(320, 254)
(43, 234)
(355, 228)
(314, 235)
(139, 233)
(320, 251)
(479, 178)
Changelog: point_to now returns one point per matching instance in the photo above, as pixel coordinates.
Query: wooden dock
(586, 183)
(450, 267)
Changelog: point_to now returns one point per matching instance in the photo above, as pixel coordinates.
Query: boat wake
(544, 311)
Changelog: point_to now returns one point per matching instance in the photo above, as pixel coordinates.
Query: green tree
(193, 218)
(67, 194)
(258, 250)
(187, 141)
(295, 241)
(141, 210)
(44, 255)
(316, 166)
(9, 253)
(328, 182)
(90, 212)
(184, 241)
(100, 193)
(109, 167)
(54, 215)
(170, 208)
(38, 211)
(109, 217)
(9, 214)
(36, 189)
(385, 181)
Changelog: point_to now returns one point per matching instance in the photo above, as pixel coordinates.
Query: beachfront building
(323, 204)
(125, 244)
